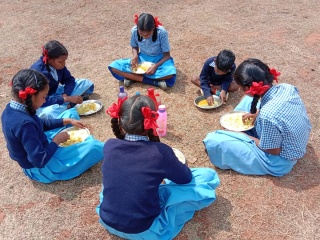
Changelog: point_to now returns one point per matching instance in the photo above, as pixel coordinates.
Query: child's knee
(195, 80)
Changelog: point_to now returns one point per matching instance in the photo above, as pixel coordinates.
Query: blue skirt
(178, 204)
(68, 162)
(53, 111)
(236, 151)
(165, 69)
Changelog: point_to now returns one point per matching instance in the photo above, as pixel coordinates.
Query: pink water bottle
(122, 94)
(162, 121)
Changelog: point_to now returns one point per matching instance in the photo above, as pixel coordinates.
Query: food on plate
(87, 107)
(233, 121)
(142, 67)
(204, 103)
(76, 136)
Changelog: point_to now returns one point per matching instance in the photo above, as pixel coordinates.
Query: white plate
(179, 155)
(97, 105)
(233, 121)
(142, 67)
(217, 102)
(76, 135)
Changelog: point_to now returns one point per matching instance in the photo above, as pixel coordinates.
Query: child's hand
(223, 96)
(152, 69)
(250, 116)
(210, 100)
(75, 99)
(78, 123)
(61, 138)
(134, 62)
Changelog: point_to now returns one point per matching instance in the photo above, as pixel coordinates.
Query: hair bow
(136, 17)
(157, 23)
(257, 88)
(28, 90)
(45, 55)
(150, 119)
(275, 74)
(114, 109)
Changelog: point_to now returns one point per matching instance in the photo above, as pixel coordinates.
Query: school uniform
(209, 77)
(60, 82)
(282, 122)
(133, 202)
(29, 142)
(149, 52)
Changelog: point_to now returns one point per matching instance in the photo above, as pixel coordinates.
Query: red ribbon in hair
(150, 119)
(275, 74)
(257, 89)
(28, 90)
(114, 109)
(157, 23)
(45, 55)
(136, 17)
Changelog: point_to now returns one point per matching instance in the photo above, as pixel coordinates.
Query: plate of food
(233, 121)
(77, 135)
(179, 155)
(142, 68)
(88, 107)
(201, 102)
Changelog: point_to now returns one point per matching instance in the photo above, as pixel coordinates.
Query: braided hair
(28, 78)
(53, 49)
(131, 119)
(146, 23)
(253, 70)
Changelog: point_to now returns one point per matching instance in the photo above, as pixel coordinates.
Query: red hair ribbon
(136, 17)
(45, 55)
(157, 23)
(28, 90)
(275, 74)
(114, 109)
(150, 119)
(257, 89)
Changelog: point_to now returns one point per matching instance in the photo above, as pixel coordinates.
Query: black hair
(131, 119)
(253, 70)
(225, 60)
(55, 50)
(28, 78)
(146, 23)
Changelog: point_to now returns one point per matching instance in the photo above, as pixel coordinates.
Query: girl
(281, 132)
(64, 90)
(151, 39)
(133, 203)
(36, 151)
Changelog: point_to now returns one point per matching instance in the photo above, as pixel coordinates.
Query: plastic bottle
(162, 121)
(122, 94)
(151, 95)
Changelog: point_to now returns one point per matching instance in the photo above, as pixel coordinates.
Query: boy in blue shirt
(216, 76)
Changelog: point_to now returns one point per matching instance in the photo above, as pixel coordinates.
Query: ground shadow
(68, 190)
(210, 221)
(304, 174)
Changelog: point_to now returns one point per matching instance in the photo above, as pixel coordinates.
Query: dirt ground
(284, 34)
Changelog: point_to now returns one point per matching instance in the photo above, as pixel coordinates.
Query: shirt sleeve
(270, 136)
(164, 40)
(38, 152)
(177, 172)
(49, 124)
(204, 80)
(134, 37)
(68, 80)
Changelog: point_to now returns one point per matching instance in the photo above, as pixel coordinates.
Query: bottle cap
(138, 93)
(162, 107)
(121, 88)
